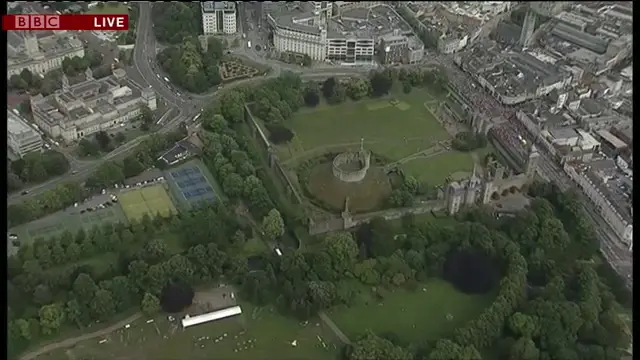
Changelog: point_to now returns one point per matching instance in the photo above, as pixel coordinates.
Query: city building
(92, 105)
(514, 78)
(40, 51)
(21, 138)
(218, 17)
(349, 38)
(609, 189)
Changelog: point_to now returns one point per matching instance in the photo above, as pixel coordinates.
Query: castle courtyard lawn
(392, 129)
(413, 316)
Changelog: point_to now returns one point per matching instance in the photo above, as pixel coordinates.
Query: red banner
(113, 22)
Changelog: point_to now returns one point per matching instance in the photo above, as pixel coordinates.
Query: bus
(195, 118)
(249, 44)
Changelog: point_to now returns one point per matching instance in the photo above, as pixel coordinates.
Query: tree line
(34, 168)
(191, 67)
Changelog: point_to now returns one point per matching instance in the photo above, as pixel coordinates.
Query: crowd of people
(488, 106)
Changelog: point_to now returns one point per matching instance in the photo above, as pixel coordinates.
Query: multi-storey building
(40, 51)
(90, 106)
(218, 17)
(21, 138)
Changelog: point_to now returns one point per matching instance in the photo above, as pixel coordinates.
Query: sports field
(432, 311)
(257, 334)
(150, 200)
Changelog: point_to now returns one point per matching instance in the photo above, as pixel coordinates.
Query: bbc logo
(36, 22)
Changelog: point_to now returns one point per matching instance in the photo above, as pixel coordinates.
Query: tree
(176, 296)
(357, 88)
(371, 346)
(306, 60)
(524, 349)
(406, 87)
(51, 318)
(173, 22)
(342, 250)
(273, 225)
(84, 288)
(311, 97)
(150, 305)
(381, 83)
(102, 305)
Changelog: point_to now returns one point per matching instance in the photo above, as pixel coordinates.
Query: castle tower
(532, 161)
(453, 197)
(65, 83)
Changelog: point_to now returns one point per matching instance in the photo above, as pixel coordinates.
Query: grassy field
(257, 334)
(150, 200)
(109, 8)
(68, 220)
(413, 316)
(391, 130)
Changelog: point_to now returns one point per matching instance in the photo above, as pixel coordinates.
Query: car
(74, 172)
(25, 192)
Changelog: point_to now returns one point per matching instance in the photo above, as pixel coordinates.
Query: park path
(336, 330)
(322, 148)
(74, 340)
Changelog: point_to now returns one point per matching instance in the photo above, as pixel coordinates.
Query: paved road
(73, 341)
(336, 330)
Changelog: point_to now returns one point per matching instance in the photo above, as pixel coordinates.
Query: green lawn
(393, 131)
(262, 332)
(109, 8)
(413, 316)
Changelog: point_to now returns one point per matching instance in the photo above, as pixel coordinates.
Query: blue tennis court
(202, 193)
(183, 184)
(187, 172)
(192, 184)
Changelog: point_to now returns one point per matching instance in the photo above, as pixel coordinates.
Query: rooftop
(85, 98)
(212, 6)
(48, 45)
(17, 127)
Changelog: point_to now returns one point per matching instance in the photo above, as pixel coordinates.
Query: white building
(40, 52)
(218, 17)
(90, 106)
(21, 138)
(212, 316)
(312, 32)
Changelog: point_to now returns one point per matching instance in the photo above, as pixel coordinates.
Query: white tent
(212, 316)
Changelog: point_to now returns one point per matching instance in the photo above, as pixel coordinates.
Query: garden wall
(272, 157)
